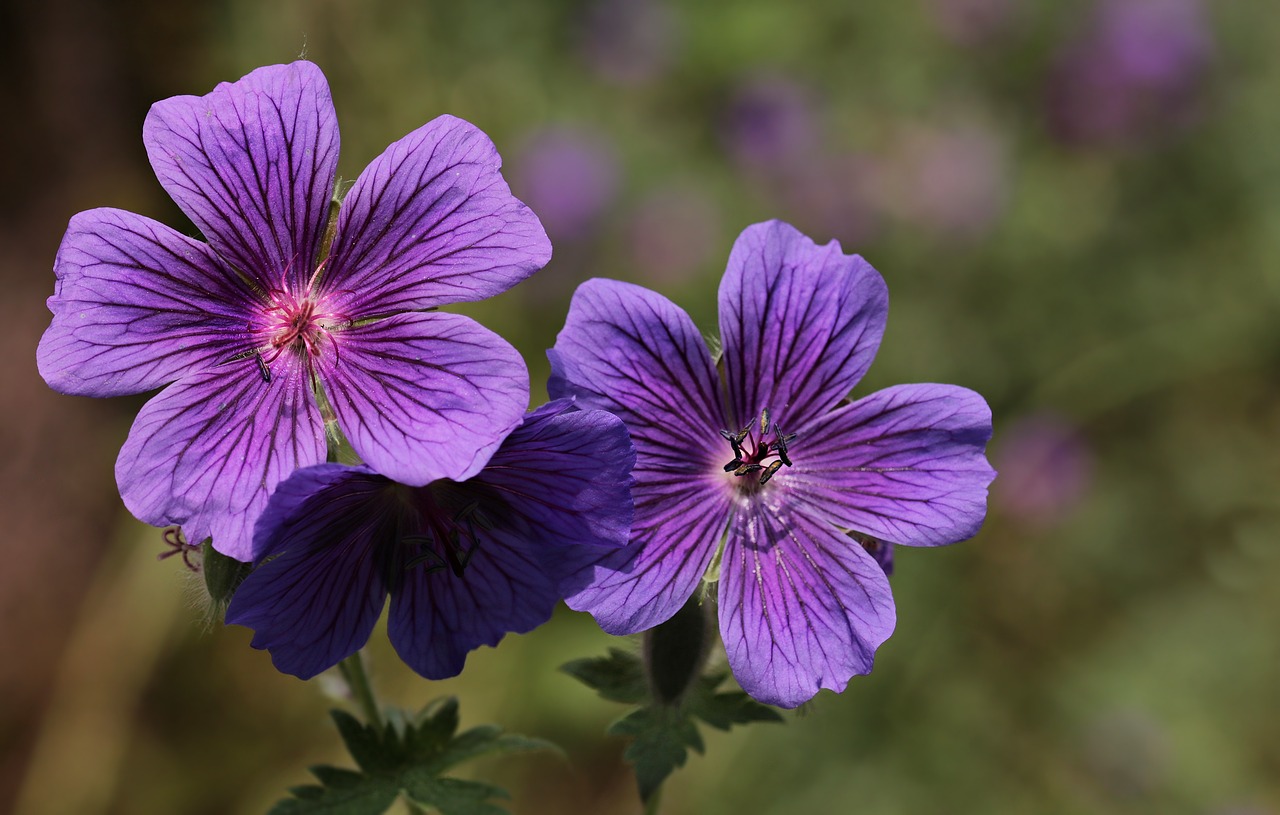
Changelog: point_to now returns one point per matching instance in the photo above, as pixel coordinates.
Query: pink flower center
(295, 322)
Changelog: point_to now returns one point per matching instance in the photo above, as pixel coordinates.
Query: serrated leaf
(723, 710)
(433, 727)
(336, 777)
(407, 756)
(367, 746)
(662, 738)
(370, 796)
(619, 677)
(454, 796)
(483, 740)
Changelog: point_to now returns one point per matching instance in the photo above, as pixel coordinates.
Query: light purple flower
(1137, 70)
(1048, 469)
(570, 175)
(759, 464)
(464, 562)
(245, 329)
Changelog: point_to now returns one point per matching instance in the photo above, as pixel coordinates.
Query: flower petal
(425, 395)
(676, 531)
(800, 324)
(316, 601)
(137, 305)
(636, 354)
(802, 607)
(438, 617)
(905, 465)
(566, 474)
(209, 449)
(252, 164)
(431, 221)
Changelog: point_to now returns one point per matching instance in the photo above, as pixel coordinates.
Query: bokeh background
(1077, 209)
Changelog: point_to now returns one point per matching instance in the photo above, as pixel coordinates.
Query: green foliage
(406, 757)
(663, 734)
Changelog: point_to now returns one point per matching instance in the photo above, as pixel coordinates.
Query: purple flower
(1136, 71)
(464, 561)
(756, 467)
(283, 312)
(571, 175)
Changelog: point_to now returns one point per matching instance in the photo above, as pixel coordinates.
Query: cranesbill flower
(463, 561)
(763, 466)
(281, 304)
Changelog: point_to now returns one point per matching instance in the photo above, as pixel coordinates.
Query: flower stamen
(752, 457)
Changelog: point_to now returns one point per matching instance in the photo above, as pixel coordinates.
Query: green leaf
(483, 740)
(618, 677)
(406, 757)
(367, 746)
(663, 734)
(369, 796)
(723, 710)
(453, 796)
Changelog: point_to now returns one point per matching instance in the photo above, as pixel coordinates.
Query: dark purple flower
(247, 329)
(464, 561)
(759, 465)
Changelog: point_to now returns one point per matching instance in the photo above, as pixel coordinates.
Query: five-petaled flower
(464, 562)
(283, 311)
(765, 465)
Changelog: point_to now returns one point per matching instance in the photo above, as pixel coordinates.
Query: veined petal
(636, 354)
(431, 221)
(802, 606)
(905, 465)
(567, 475)
(800, 323)
(252, 164)
(438, 617)
(423, 396)
(209, 449)
(137, 305)
(676, 531)
(316, 600)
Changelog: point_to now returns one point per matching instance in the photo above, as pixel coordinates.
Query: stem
(651, 806)
(353, 672)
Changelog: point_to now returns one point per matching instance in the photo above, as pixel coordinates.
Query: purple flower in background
(1135, 71)
(1048, 468)
(570, 176)
(464, 561)
(771, 120)
(630, 42)
(247, 328)
(765, 471)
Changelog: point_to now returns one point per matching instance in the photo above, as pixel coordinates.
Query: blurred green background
(1077, 209)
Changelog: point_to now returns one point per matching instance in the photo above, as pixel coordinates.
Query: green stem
(353, 672)
(651, 806)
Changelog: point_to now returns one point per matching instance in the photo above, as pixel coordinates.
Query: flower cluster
(303, 326)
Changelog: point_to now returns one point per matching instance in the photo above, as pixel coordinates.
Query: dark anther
(262, 368)
(769, 471)
(747, 468)
(764, 421)
(781, 444)
(733, 465)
